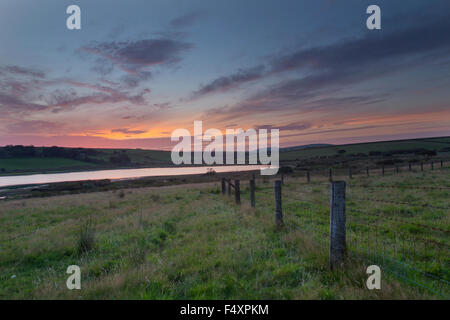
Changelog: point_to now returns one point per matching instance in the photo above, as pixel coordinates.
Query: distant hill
(27, 159)
(307, 146)
(384, 148)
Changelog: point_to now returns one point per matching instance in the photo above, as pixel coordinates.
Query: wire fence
(399, 245)
(414, 252)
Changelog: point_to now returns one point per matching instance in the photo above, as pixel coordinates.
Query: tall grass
(86, 240)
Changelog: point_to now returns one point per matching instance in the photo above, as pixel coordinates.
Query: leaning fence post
(237, 192)
(330, 174)
(308, 177)
(223, 186)
(278, 208)
(350, 173)
(252, 192)
(337, 224)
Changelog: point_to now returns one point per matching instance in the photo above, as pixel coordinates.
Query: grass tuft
(86, 240)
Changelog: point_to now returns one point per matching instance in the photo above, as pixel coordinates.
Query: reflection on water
(117, 174)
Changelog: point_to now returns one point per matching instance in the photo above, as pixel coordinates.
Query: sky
(139, 69)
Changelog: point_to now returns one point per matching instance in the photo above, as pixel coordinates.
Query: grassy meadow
(191, 242)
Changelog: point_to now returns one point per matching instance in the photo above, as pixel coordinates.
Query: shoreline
(8, 193)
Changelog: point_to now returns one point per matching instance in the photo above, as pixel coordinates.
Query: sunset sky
(139, 69)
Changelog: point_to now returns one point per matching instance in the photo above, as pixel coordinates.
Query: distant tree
(20, 151)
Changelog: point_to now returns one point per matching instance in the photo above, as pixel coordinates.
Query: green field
(191, 242)
(435, 144)
(41, 164)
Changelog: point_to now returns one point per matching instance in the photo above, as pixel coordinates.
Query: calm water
(116, 174)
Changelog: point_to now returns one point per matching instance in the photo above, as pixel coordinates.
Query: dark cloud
(103, 67)
(16, 84)
(132, 56)
(16, 70)
(103, 94)
(35, 127)
(127, 131)
(133, 80)
(371, 49)
(16, 104)
(329, 70)
(288, 127)
(25, 91)
(162, 106)
(185, 20)
(232, 81)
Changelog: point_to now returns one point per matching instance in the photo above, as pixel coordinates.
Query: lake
(8, 181)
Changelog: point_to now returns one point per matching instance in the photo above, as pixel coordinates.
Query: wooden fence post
(308, 177)
(252, 191)
(367, 171)
(278, 208)
(421, 166)
(223, 186)
(229, 187)
(237, 192)
(282, 179)
(396, 169)
(442, 164)
(409, 166)
(382, 170)
(330, 175)
(337, 224)
(350, 173)
(432, 165)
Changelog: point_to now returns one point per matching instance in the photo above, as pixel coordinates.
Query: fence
(370, 236)
(350, 172)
